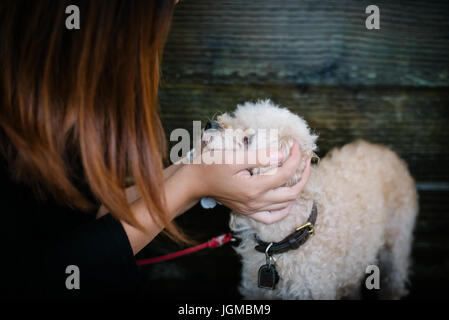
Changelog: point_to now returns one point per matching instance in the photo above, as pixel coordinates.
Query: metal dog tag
(268, 277)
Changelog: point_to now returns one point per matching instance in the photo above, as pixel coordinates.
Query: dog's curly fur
(367, 206)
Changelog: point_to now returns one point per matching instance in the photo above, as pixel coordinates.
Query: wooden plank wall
(318, 59)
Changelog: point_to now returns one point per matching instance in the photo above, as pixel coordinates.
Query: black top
(39, 240)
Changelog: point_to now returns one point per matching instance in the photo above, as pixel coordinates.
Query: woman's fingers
(277, 177)
(276, 206)
(280, 196)
(269, 217)
(305, 175)
(257, 158)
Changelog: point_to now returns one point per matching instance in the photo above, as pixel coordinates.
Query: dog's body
(367, 205)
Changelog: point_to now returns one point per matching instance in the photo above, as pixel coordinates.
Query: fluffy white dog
(366, 205)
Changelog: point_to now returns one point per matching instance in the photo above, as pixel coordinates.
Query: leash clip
(270, 259)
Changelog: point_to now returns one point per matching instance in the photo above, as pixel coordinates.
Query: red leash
(212, 243)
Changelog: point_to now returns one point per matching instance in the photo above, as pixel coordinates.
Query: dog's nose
(211, 124)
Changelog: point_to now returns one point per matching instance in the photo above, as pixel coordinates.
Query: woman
(78, 116)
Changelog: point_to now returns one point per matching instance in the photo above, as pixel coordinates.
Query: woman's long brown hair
(92, 92)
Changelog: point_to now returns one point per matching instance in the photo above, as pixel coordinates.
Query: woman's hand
(261, 197)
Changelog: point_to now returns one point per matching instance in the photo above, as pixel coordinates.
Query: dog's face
(260, 125)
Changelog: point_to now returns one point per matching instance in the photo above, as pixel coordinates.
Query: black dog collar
(292, 241)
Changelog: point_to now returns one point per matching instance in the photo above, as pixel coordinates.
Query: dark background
(317, 58)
